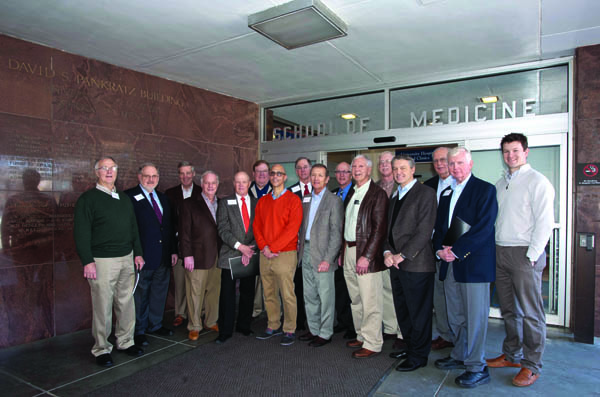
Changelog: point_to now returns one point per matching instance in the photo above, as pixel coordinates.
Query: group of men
(373, 258)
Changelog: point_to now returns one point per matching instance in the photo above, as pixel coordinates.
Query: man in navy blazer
(468, 265)
(153, 215)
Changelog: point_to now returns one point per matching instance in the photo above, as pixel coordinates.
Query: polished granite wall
(587, 149)
(58, 113)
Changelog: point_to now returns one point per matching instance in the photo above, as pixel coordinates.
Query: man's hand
(174, 258)
(323, 267)
(188, 263)
(245, 260)
(246, 250)
(446, 254)
(362, 265)
(89, 271)
(268, 254)
(392, 260)
(139, 262)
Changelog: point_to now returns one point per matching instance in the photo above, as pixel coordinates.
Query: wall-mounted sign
(419, 155)
(588, 174)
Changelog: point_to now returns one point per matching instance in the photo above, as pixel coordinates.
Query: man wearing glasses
(153, 215)
(276, 224)
(107, 241)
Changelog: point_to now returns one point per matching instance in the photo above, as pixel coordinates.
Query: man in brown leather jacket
(364, 234)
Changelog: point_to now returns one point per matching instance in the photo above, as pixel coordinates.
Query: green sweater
(105, 227)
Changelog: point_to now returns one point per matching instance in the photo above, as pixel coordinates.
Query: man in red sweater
(276, 224)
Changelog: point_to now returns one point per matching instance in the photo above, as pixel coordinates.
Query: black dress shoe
(449, 363)
(473, 379)
(221, 339)
(350, 334)
(133, 351)
(307, 337)
(339, 328)
(318, 342)
(409, 365)
(399, 354)
(162, 331)
(104, 360)
(140, 340)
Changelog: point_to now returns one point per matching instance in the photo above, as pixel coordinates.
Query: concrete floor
(63, 366)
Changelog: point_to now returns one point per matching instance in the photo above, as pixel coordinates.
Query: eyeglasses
(306, 167)
(105, 168)
(343, 172)
(385, 161)
(277, 173)
(149, 176)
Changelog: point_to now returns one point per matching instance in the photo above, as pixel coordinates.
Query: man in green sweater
(108, 244)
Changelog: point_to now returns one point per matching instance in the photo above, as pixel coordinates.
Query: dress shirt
(403, 190)
(112, 192)
(302, 185)
(352, 211)
(280, 194)
(314, 206)
(147, 195)
(239, 200)
(442, 185)
(212, 206)
(342, 193)
(187, 193)
(457, 190)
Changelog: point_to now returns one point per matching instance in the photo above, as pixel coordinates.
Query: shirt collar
(147, 193)
(320, 195)
(246, 197)
(508, 176)
(207, 199)
(461, 185)
(105, 190)
(282, 193)
(407, 187)
(363, 187)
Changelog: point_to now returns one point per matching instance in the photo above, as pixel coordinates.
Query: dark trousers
(150, 297)
(342, 301)
(299, 291)
(413, 301)
(227, 303)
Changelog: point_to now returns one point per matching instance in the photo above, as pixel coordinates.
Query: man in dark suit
(153, 215)
(439, 183)
(320, 240)
(468, 254)
(302, 188)
(234, 223)
(409, 256)
(176, 195)
(343, 175)
(199, 243)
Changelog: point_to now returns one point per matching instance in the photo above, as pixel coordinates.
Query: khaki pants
(202, 288)
(367, 302)
(277, 276)
(113, 284)
(180, 296)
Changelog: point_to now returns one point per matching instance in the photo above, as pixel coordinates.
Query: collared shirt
(442, 185)
(314, 206)
(261, 192)
(387, 186)
(112, 192)
(280, 194)
(342, 193)
(457, 190)
(212, 206)
(147, 194)
(239, 201)
(403, 190)
(302, 184)
(352, 211)
(187, 193)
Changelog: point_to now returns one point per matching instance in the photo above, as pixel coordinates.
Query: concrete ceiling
(208, 44)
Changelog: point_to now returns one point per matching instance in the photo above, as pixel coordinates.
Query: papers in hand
(137, 280)
(238, 270)
(458, 227)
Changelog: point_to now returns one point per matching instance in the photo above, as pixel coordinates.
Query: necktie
(306, 192)
(245, 215)
(156, 209)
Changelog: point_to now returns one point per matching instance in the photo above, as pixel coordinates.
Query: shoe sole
(450, 367)
(478, 383)
(265, 337)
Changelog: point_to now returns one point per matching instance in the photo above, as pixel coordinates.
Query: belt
(351, 244)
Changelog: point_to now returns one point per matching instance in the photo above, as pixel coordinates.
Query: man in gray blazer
(320, 240)
(234, 224)
(409, 255)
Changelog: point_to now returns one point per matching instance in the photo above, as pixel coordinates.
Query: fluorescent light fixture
(489, 99)
(348, 116)
(298, 23)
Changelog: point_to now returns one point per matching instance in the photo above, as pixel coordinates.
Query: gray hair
(386, 152)
(410, 160)
(438, 149)
(208, 172)
(104, 158)
(455, 151)
(147, 164)
(185, 164)
(362, 156)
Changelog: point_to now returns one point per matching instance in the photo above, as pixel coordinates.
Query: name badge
(447, 193)
(306, 200)
(296, 188)
(136, 197)
(231, 202)
(356, 202)
(115, 195)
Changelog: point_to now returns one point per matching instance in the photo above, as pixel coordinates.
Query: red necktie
(245, 215)
(306, 192)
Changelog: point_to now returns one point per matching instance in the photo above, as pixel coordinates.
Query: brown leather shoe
(399, 344)
(178, 321)
(213, 328)
(364, 353)
(354, 343)
(194, 335)
(501, 362)
(440, 343)
(525, 378)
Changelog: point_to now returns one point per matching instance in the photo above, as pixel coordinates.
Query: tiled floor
(63, 366)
